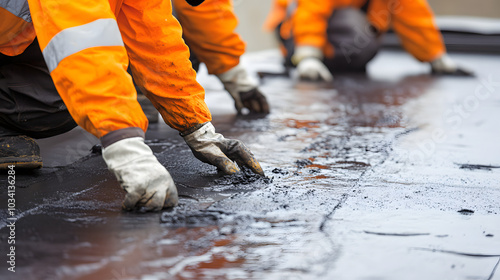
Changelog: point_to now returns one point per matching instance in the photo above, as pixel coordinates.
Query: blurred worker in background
(321, 37)
(74, 73)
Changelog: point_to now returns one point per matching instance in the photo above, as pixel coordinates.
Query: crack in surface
(396, 234)
(329, 215)
(458, 253)
(386, 153)
(494, 270)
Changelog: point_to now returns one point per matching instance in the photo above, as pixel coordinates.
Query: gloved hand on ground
(444, 65)
(309, 64)
(148, 184)
(226, 154)
(244, 91)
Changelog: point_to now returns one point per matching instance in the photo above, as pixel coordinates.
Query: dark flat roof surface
(390, 175)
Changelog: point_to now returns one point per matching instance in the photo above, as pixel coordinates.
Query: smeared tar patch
(245, 177)
(180, 217)
(466, 211)
(477, 166)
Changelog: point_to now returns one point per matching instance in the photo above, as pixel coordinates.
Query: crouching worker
(75, 73)
(321, 37)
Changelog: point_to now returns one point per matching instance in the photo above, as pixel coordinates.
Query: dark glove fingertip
(171, 200)
(130, 201)
(465, 73)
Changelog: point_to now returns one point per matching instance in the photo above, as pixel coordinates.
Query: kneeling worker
(321, 37)
(65, 64)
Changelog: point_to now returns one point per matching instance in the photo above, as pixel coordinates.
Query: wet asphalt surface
(390, 175)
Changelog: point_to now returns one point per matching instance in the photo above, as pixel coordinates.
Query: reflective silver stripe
(19, 8)
(291, 8)
(99, 33)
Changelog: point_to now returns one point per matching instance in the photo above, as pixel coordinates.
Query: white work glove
(309, 64)
(225, 154)
(147, 183)
(243, 89)
(444, 65)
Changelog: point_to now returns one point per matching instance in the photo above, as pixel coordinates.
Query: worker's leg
(351, 35)
(29, 107)
(30, 104)
(353, 38)
(287, 45)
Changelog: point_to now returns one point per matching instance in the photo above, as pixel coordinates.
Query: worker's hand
(309, 64)
(244, 91)
(148, 184)
(225, 154)
(312, 69)
(444, 65)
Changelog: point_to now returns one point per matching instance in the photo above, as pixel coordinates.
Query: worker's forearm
(310, 22)
(160, 62)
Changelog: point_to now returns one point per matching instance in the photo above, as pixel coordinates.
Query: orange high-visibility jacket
(87, 46)
(412, 20)
(209, 32)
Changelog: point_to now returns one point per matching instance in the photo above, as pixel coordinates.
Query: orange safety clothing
(16, 30)
(412, 21)
(87, 46)
(209, 31)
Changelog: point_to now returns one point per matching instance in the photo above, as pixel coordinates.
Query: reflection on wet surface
(357, 187)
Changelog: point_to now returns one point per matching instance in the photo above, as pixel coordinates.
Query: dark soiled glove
(444, 65)
(255, 101)
(226, 154)
(244, 90)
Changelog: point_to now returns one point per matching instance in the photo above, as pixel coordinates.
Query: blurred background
(483, 15)
(478, 8)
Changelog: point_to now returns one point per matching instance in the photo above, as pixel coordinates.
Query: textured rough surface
(390, 175)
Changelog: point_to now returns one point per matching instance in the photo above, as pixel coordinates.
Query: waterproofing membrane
(462, 34)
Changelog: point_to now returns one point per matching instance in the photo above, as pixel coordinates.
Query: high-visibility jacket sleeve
(209, 30)
(160, 62)
(84, 52)
(16, 29)
(413, 21)
(277, 15)
(310, 22)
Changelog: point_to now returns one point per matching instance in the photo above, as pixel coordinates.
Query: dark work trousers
(352, 36)
(29, 102)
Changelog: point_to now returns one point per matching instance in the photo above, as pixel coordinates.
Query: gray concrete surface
(251, 16)
(481, 8)
(390, 175)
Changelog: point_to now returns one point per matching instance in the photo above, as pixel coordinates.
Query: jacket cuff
(192, 129)
(120, 134)
(302, 52)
